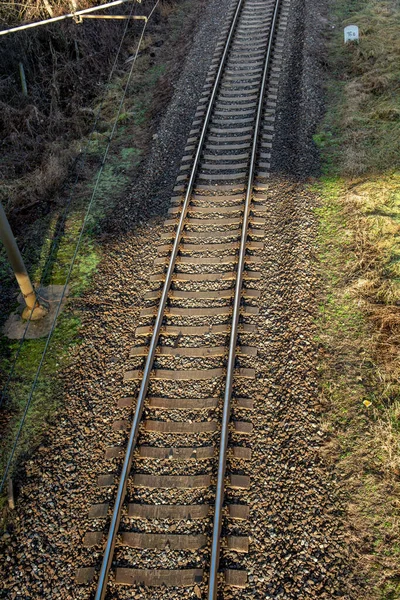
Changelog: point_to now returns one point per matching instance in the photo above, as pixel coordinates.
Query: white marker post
(351, 33)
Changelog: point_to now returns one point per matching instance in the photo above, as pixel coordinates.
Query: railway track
(180, 498)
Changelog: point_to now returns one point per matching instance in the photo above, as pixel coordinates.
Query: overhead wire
(73, 15)
(76, 250)
(59, 229)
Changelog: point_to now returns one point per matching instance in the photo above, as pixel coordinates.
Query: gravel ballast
(297, 549)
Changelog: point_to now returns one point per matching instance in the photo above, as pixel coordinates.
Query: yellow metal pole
(33, 309)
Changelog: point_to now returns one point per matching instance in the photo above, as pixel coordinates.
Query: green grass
(361, 131)
(359, 248)
(357, 365)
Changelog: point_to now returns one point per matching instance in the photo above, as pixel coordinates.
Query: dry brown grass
(66, 66)
(363, 123)
(13, 13)
(360, 372)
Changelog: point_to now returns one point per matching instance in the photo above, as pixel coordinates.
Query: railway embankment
(359, 251)
(323, 495)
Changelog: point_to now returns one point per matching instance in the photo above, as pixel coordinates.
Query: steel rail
(126, 467)
(220, 488)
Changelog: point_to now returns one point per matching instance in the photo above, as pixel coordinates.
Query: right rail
(226, 415)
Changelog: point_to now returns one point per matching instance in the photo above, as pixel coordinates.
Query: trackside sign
(350, 33)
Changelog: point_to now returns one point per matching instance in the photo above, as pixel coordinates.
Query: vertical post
(23, 79)
(33, 309)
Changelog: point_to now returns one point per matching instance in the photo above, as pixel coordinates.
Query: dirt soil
(298, 548)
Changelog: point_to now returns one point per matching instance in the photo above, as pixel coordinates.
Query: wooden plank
(106, 480)
(93, 538)
(243, 156)
(197, 277)
(235, 578)
(214, 294)
(235, 139)
(183, 403)
(243, 427)
(232, 166)
(239, 511)
(227, 112)
(84, 575)
(195, 329)
(158, 577)
(253, 260)
(174, 311)
(200, 295)
(213, 311)
(240, 78)
(181, 375)
(236, 130)
(216, 247)
(238, 543)
(187, 482)
(244, 70)
(163, 540)
(190, 259)
(255, 275)
(202, 351)
(189, 235)
(257, 221)
(120, 425)
(247, 373)
(247, 351)
(262, 186)
(188, 374)
(230, 95)
(239, 145)
(209, 222)
(176, 427)
(247, 86)
(124, 402)
(233, 208)
(220, 188)
(113, 452)
(200, 277)
(239, 482)
(180, 426)
(10, 494)
(242, 453)
(98, 511)
(180, 453)
(184, 351)
(245, 403)
(173, 512)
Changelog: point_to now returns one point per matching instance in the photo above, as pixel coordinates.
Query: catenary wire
(71, 15)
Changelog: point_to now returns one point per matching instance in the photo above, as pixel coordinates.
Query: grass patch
(359, 326)
(361, 132)
(359, 317)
